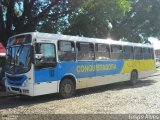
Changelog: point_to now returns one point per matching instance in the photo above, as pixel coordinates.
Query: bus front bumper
(19, 90)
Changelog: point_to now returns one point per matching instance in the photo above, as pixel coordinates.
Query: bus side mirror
(38, 56)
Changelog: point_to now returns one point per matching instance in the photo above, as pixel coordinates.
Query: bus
(43, 63)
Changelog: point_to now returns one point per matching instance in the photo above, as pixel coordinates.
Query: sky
(155, 42)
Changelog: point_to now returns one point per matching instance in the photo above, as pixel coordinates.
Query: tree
(129, 20)
(18, 16)
(95, 18)
(141, 22)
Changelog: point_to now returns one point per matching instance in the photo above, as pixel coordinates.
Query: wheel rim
(67, 88)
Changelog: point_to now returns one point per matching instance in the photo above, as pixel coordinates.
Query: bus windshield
(18, 59)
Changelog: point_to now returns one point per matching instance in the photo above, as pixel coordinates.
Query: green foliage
(124, 5)
(94, 18)
(128, 20)
(141, 22)
(19, 16)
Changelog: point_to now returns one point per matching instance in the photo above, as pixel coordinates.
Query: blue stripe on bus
(79, 69)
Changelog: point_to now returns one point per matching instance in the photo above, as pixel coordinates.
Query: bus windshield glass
(18, 59)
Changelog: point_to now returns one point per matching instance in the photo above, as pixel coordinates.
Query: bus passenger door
(45, 75)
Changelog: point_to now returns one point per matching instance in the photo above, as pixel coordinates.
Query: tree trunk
(2, 27)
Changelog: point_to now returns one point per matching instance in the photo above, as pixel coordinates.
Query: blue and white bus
(42, 63)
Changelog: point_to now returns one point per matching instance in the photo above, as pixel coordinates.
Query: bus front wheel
(134, 78)
(67, 88)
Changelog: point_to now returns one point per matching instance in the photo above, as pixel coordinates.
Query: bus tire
(133, 78)
(67, 88)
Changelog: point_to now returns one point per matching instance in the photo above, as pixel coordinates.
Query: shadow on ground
(115, 86)
(16, 101)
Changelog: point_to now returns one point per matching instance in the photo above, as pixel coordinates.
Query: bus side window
(85, 51)
(116, 52)
(66, 51)
(45, 52)
(102, 51)
(147, 53)
(128, 52)
(138, 53)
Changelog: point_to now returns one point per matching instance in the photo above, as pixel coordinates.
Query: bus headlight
(24, 84)
(25, 91)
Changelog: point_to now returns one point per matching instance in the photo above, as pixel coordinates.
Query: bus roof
(51, 36)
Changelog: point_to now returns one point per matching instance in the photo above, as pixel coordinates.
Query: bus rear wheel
(134, 78)
(67, 88)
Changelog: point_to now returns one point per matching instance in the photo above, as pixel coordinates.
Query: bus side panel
(108, 72)
(109, 79)
(46, 81)
(145, 74)
(88, 73)
(145, 68)
(113, 67)
(45, 88)
(142, 66)
(81, 69)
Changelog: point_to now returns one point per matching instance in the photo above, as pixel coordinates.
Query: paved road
(117, 98)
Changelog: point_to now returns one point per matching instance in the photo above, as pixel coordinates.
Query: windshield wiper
(19, 51)
(14, 60)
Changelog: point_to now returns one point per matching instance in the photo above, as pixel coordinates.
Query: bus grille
(15, 89)
(16, 80)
